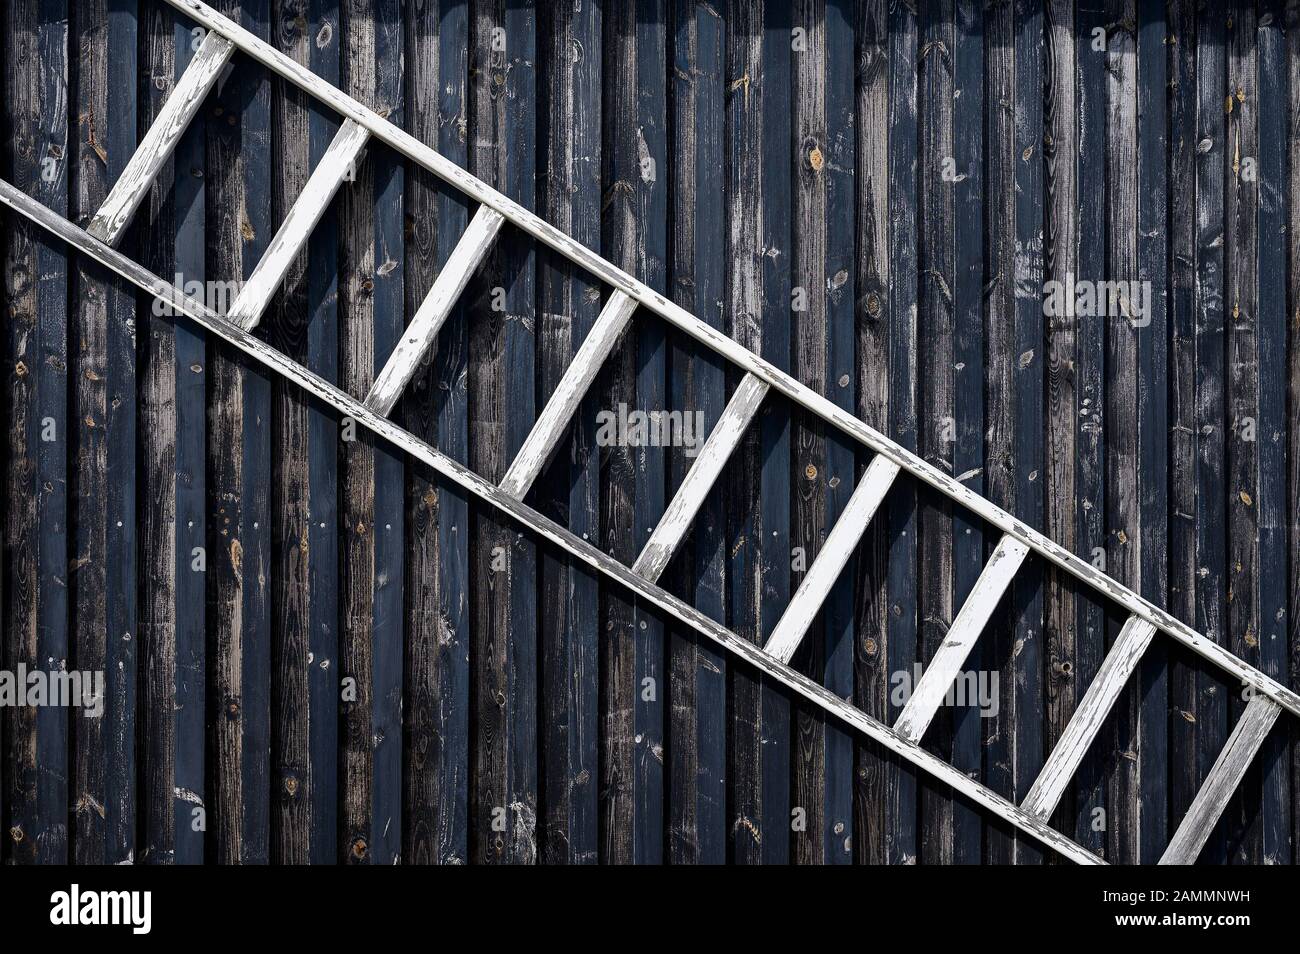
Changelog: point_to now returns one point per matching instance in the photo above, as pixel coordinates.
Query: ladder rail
(548, 529)
(733, 351)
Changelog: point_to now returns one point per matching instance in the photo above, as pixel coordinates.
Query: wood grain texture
(635, 233)
(1061, 240)
(570, 55)
(502, 402)
(36, 353)
(102, 573)
(1188, 425)
(875, 781)
(548, 530)
(968, 355)
(238, 573)
(936, 372)
(437, 700)
(744, 359)
(697, 727)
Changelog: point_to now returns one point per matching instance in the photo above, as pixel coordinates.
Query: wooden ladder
(361, 125)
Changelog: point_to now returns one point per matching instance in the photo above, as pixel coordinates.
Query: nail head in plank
(563, 403)
(839, 546)
(420, 334)
(734, 351)
(1197, 825)
(699, 480)
(1083, 726)
(461, 475)
(185, 99)
(297, 226)
(956, 646)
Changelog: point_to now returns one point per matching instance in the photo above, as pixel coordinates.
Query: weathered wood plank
(187, 97)
(1183, 437)
(570, 50)
(841, 541)
(557, 415)
(1060, 265)
(102, 572)
(437, 703)
(1293, 367)
(1153, 53)
(420, 334)
(999, 460)
(371, 573)
(36, 544)
(698, 671)
(903, 282)
(389, 296)
(635, 234)
(546, 529)
(708, 465)
(1212, 151)
(1090, 400)
(1271, 347)
(968, 401)
(1226, 774)
(502, 386)
(1123, 518)
(1088, 717)
(304, 512)
(1241, 411)
(874, 795)
(928, 694)
(1022, 678)
(936, 397)
(744, 359)
(808, 463)
(335, 167)
(238, 551)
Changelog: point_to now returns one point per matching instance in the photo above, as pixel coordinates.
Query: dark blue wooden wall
(317, 653)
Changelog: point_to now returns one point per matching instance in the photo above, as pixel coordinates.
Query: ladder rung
(419, 335)
(699, 480)
(1083, 726)
(563, 403)
(142, 168)
(298, 223)
(1247, 736)
(839, 546)
(948, 659)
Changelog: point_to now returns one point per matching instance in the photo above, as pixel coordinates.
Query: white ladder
(360, 125)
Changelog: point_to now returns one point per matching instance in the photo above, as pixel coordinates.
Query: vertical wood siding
(317, 653)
